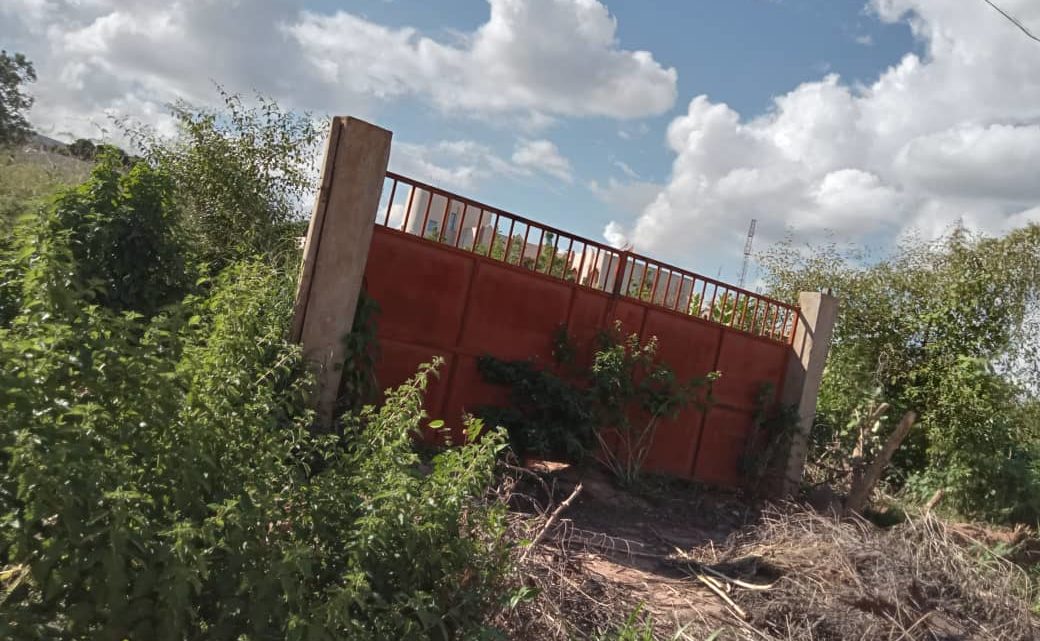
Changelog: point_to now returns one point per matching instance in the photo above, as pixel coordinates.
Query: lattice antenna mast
(747, 251)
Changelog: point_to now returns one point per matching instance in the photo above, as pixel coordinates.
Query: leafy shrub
(546, 415)
(988, 467)
(158, 475)
(113, 241)
(242, 175)
(947, 329)
(160, 483)
(632, 391)
(358, 385)
(625, 391)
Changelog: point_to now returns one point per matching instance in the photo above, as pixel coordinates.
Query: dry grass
(848, 580)
(830, 580)
(564, 599)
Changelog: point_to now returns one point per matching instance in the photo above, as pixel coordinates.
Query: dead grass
(828, 579)
(848, 580)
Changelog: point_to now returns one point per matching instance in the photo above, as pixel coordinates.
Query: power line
(1014, 21)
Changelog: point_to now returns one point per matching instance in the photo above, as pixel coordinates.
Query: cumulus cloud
(628, 197)
(133, 58)
(454, 164)
(615, 235)
(532, 61)
(546, 57)
(467, 164)
(951, 135)
(542, 156)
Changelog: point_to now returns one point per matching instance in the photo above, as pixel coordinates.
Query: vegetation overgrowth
(159, 477)
(609, 407)
(947, 329)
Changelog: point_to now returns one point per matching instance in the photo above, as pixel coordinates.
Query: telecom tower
(747, 251)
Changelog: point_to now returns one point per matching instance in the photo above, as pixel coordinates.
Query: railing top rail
(622, 272)
(498, 210)
(712, 281)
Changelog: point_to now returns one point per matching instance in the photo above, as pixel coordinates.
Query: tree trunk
(862, 487)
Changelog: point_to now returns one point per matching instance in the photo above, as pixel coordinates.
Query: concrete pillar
(812, 341)
(336, 251)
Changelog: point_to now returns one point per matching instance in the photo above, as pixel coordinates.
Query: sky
(664, 124)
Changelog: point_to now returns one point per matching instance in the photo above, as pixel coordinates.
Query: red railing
(419, 209)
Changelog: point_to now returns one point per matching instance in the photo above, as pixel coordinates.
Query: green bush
(625, 391)
(159, 477)
(947, 329)
(160, 482)
(242, 175)
(632, 391)
(546, 415)
(113, 241)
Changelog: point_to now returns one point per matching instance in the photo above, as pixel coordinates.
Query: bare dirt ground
(699, 563)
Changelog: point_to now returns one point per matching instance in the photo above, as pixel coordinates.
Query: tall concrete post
(336, 250)
(812, 342)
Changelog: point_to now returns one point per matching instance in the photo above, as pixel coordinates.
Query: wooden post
(812, 341)
(336, 250)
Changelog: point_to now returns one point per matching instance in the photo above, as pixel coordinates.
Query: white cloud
(101, 57)
(626, 169)
(627, 197)
(543, 57)
(467, 165)
(615, 235)
(866, 40)
(952, 135)
(986, 162)
(542, 156)
(530, 63)
(454, 164)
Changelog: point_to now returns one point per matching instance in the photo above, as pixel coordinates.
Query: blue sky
(664, 124)
(741, 52)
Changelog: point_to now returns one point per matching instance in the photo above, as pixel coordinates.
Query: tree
(15, 71)
(943, 329)
(82, 149)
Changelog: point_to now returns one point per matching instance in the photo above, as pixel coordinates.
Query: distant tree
(83, 149)
(15, 71)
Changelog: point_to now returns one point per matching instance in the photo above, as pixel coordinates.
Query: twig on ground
(552, 521)
(712, 585)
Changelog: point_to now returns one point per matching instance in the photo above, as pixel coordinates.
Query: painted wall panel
(747, 363)
(437, 300)
(513, 314)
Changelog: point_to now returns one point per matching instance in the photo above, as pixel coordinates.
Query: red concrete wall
(438, 300)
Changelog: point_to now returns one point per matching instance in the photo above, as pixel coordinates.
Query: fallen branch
(692, 563)
(552, 521)
(706, 580)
